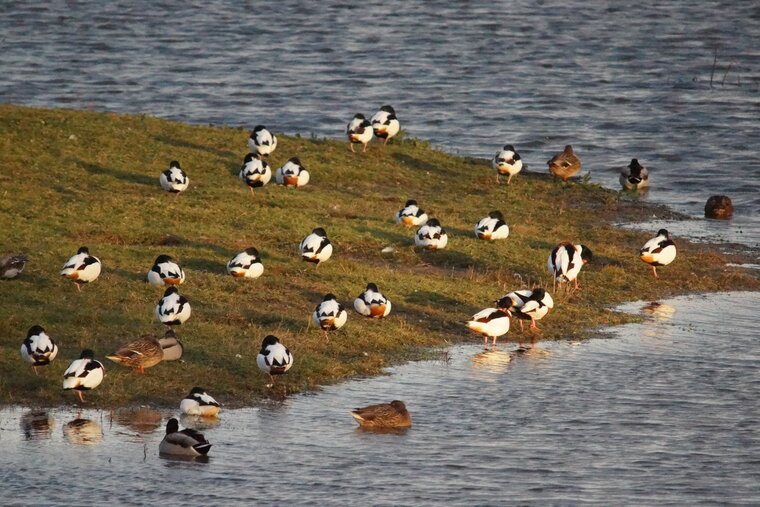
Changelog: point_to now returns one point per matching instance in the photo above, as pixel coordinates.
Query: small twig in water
(715, 62)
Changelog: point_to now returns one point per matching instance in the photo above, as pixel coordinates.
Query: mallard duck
(492, 227)
(246, 264)
(292, 174)
(84, 373)
(329, 315)
(173, 309)
(172, 347)
(565, 164)
(359, 130)
(315, 247)
(199, 402)
(719, 206)
(566, 261)
(527, 304)
(166, 272)
(82, 268)
(385, 124)
(371, 303)
(38, 348)
(658, 251)
(12, 265)
(431, 236)
(187, 442)
(384, 415)
(635, 176)
(274, 358)
(255, 172)
(491, 323)
(411, 215)
(507, 161)
(139, 354)
(174, 179)
(261, 141)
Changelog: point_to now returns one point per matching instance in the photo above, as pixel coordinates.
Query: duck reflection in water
(83, 432)
(658, 319)
(141, 420)
(494, 361)
(37, 425)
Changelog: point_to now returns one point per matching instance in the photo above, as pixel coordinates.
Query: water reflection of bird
(36, 425)
(660, 311)
(384, 415)
(83, 432)
(141, 420)
(492, 361)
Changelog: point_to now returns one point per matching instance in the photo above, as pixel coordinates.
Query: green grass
(74, 178)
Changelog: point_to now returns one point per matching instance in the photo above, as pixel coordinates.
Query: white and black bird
(38, 348)
(385, 124)
(246, 264)
(315, 247)
(199, 402)
(329, 315)
(166, 272)
(262, 142)
(507, 161)
(255, 172)
(635, 176)
(187, 442)
(359, 130)
(492, 227)
(274, 358)
(174, 179)
(292, 174)
(411, 215)
(431, 236)
(173, 309)
(372, 303)
(566, 261)
(527, 304)
(172, 347)
(658, 251)
(84, 373)
(82, 268)
(491, 323)
(12, 265)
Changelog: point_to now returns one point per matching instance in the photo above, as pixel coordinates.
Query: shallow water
(617, 81)
(664, 412)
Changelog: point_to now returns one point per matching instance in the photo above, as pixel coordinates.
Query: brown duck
(140, 354)
(565, 164)
(385, 415)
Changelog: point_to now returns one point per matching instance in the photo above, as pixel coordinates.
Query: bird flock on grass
(274, 358)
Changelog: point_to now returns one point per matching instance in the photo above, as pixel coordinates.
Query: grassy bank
(72, 178)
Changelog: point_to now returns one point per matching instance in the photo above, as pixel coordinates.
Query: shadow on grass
(180, 143)
(118, 174)
(394, 238)
(269, 320)
(206, 265)
(422, 165)
(447, 258)
(127, 275)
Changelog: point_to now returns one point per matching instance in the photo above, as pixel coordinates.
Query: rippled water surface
(616, 80)
(664, 412)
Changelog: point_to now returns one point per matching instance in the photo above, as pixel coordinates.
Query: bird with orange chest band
(566, 261)
(82, 268)
(385, 124)
(246, 264)
(359, 131)
(658, 251)
(507, 162)
(292, 174)
(372, 303)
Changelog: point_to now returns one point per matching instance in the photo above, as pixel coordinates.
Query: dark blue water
(616, 80)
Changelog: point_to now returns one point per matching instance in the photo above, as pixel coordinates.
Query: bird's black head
(586, 253)
(496, 214)
(504, 303)
(371, 286)
(163, 258)
(359, 116)
(252, 251)
(509, 147)
(410, 202)
(83, 250)
(663, 232)
(294, 160)
(433, 222)
(87, 354)
(269, 340)
(172, 426)
(248, 158)
(174, 163)
(34, 330)
(257, 129)
(388, 109)
(329, 297)
(171, 290)
(197, 390)
(319, 232)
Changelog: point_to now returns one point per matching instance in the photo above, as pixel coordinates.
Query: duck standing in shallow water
(658, 251)
(371, 303)
(292, 174)
(411, 215)
(187, 442)
(255, 172)
(174, 179)
(82, 268)
(492, 227)
(38, 348)
(507, 161)
(246, 264)
(139, 354)
(385, 124)
(261, 141)
(12, 265)
(566, 261)
(527, 304)
(274, 358)
(635, 176)
(173, 309)
(565, 164)
(384, 415)
(84, 373)
(329, 315)
(431, 236)
(315, 247)
(359, 130)
(166, 272)
(199, 402)
(491, 323)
